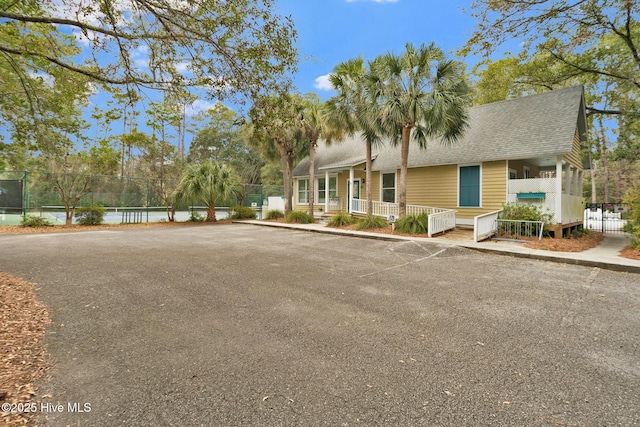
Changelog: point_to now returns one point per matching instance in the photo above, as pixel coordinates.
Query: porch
(440, 220)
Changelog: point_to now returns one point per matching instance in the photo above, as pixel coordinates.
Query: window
(389, 187)
(333, 188)
(469, 186)
(303, 191)
(526, 171)
(513, 174)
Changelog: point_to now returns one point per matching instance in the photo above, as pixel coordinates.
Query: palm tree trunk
(312, 161)
(211, 212)
(369, 173)
(402, 199)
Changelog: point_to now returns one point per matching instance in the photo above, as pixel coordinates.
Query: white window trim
(479, 189)
(395, 184)
(298, 191)
(317, 187)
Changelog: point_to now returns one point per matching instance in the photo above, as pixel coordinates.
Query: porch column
(558, 208)
(579, 184)
(567, 179)
(326, 191)
(350, 190)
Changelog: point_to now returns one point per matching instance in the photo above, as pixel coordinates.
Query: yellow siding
(438, 187)
(434, 186)
(575, 157)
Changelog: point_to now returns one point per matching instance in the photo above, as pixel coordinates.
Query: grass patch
(413, 224)
(299, 217)
(371, 222)
(35, 221)
(343, 219)
(274, 214)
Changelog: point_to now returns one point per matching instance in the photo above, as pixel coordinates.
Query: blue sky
(333, 31)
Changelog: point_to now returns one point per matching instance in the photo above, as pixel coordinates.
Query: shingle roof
(533, 126)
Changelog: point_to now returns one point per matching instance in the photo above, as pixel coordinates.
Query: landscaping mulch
(22, 353)
(630, 253)
(588, 241)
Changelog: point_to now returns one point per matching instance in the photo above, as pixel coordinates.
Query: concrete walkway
(605, 255)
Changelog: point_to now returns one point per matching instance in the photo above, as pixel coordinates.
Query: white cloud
(323, 83)
(199, 106)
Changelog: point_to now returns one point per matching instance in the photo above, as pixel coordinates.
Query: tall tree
(598, 39)
(353, 111)
(209, 182)
(316, 124)
(231, 47)
(275, 122)
(422, 95)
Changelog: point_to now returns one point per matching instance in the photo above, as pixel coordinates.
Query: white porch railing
(484, 226)
(440, 220)
(572, 205)
(335, 204)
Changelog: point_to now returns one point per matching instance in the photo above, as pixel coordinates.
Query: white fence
(484, 226)
(440, 220)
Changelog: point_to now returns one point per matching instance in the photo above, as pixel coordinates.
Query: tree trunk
(211, 212)
(368, 175)
(605, 174)
(402, 199)
(286, 178)
(312, 161)
(594, 189)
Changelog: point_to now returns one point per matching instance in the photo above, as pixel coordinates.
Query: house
(526, 149)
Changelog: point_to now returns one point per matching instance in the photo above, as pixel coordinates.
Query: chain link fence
(25, 192)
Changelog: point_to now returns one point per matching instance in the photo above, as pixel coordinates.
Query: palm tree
(421, 95)
(316, 124)
(353, 111)
(210, 182)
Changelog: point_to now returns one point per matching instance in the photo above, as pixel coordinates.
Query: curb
(542, 257)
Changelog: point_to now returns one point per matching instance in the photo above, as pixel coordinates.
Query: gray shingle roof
(533, 126)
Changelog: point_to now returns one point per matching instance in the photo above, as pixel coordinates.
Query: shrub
(371, 222)
(341, 220)
(196, 217)
(524, 212)
(299, 217)
(243, 212)
(632, 197)
(35, 221)
(578, 233)
(274, 214)
(90, 215)
(413, 224)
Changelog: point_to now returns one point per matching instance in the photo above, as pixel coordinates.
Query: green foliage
(274, 214)
(341, 220)
(90, 215)
(578, 233)
(208, 183)
(371, 222)
(243, 212)
(299, 217)
(413, 224)
(523, 212)
(632, 197)
(196, 217)
(35, 221)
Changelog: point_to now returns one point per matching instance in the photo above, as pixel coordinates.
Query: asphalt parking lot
(238, 325)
